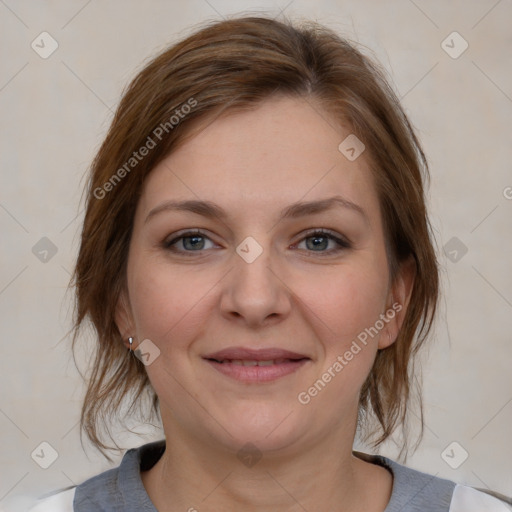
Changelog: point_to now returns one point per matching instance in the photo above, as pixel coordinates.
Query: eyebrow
(211, 210)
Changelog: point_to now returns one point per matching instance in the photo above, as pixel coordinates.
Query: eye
(322, 241)
(318, 240)
(190, 241)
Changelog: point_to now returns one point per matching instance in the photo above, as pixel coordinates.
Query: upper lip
(247, 354)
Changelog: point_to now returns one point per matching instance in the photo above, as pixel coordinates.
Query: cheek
(344, 311)
(346, 301)
(167, 304)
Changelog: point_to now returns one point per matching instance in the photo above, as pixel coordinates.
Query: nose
(254, 293)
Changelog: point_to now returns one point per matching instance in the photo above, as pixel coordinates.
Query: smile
(256, 371)
(251, 362)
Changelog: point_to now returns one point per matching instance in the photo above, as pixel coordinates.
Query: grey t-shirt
(121, 489)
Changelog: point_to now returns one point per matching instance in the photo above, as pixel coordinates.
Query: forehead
(283, 151)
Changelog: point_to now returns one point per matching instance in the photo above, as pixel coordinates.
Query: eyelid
(342, 241)
(326, 231)
(184, 233)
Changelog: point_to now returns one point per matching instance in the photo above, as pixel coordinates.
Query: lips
(261, 355)
(256, 366)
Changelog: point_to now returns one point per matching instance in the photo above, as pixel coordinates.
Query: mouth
(254, 362)
(256, 366)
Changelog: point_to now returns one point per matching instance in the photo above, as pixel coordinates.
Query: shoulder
(416, 490)
(468, 499)
(60, 502)
(413, 489)
(120, 489)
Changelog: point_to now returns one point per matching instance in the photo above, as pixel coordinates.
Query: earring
(130, 341)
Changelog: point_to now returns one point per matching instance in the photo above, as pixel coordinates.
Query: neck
(191, 476)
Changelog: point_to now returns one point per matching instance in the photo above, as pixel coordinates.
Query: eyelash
(343, 244)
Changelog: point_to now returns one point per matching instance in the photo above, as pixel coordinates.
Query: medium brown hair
(229, 65)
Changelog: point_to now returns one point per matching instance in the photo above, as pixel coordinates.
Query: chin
(268, 428)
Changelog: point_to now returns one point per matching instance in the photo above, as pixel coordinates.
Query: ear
(124, 318)
(398, 301)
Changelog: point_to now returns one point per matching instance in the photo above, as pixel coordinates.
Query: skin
(294, 296)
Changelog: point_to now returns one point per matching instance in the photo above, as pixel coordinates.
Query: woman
(256, 259)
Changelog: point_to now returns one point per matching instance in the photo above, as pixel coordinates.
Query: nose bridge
(253, 291)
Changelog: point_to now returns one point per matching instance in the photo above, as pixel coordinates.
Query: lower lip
(257, 373)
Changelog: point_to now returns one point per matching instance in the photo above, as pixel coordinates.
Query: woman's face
(313, 307)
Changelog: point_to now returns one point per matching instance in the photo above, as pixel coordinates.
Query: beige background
(55, 112)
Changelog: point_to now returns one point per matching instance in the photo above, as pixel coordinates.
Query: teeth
(253, 363)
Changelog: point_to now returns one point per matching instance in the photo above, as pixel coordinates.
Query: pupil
(321, 244)
(193, 240)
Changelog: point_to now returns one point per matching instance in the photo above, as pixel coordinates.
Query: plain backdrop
(56, 110)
